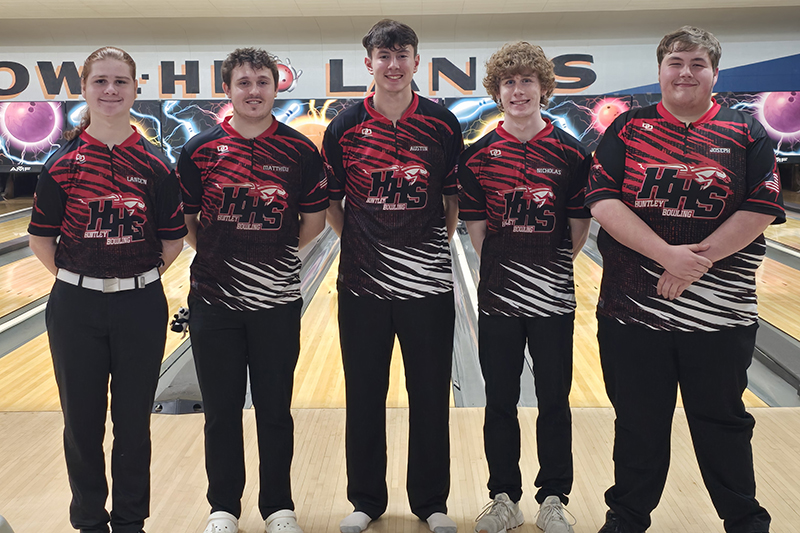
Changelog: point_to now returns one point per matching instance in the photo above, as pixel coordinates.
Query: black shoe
(615, 524)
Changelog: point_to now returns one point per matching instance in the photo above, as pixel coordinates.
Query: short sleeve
(191, 182)
(453, 146)
(332, 155)
(579, 177)
(763, 179)
(48, 207)
(607, 171)
(315, 190)
(471, 196)
(171, 224)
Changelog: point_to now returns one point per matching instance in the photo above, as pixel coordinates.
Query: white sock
(355, 522)
(441, 523)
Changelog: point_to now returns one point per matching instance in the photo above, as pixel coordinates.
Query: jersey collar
(226, 126)
(669, 117)
(130, 141)
(368, 103)
(548, 128)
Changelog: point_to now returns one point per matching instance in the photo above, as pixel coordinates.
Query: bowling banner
(444, 72)
(31, 131)
(779, 113)
(584, 117)
(587, 117)
(145, 116)
(182, 119)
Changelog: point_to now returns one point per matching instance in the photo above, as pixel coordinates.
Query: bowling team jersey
(111, 207)
(684, 182)
(249, 193)
(525, 191)
(394, 240)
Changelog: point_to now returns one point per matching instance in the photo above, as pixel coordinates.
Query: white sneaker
(499, 515)
(283, 521)
(221, 522)
(551, 517)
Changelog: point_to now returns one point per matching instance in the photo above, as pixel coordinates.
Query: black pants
(502, 353)
(642, 369)
(225, 344)
(424, 327)
(94, 336)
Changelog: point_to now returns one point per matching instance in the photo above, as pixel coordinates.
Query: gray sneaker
(551, 517)
(499, 515)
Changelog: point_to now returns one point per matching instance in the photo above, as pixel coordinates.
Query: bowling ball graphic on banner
(28, 121)
(782, 112)
(29, 131)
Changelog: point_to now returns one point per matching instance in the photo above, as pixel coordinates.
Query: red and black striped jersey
(394, 240)
(684, 182)
(526, 192)
(111, 207)
(249, 193)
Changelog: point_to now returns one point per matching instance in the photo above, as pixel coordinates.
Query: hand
(685, 262)
(671, 287)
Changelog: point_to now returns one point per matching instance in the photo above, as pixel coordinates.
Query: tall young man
(393, 156)
(522, 194)
(683, 190)
(254, 194)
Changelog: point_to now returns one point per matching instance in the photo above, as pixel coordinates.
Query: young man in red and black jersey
(107, 222)
(683, 190)
(393, 157)
(522, 194)
(254, 194)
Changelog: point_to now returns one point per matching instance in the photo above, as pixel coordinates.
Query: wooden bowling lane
(787, 234)
(588, 389)
(27, 382)
(9, 205)
(14, 228)
(319, 379)
(26, 378)
(27, 280)
(778, 299)
(26, 375)
(176, 288)
(23, 282)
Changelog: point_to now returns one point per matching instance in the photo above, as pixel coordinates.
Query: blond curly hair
(519, 58)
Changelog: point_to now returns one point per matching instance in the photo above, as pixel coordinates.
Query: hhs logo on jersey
(684, 191)
(115, 218)
(253, 207)
(399, 187)
(529, 208)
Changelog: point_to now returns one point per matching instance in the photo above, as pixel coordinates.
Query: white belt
(109, 284)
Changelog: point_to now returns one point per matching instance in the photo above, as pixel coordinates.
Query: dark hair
(390, 34)
(255, 57)
(690, 38)
(107, 52)
(519, 58)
